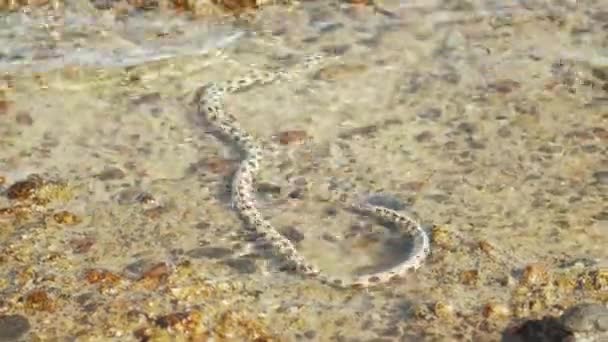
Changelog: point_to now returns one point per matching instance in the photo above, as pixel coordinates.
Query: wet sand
(490, 125)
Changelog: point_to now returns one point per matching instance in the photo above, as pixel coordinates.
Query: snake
(209, 100)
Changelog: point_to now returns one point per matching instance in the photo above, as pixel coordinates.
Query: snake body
(209, 99)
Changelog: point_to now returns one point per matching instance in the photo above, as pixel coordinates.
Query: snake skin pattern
(209, 99)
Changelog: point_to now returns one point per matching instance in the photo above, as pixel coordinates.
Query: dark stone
(548, 329)
(146, 98)
(13, 327)
(504, 132)
(292, 234)
(269, 188)
(330, 211)
(387, 201)
(296, 193)
(202, 225)
(601, 216)
(467, 127)
(24, 118)
(601, 74)
(329, 238)
(601, 177)
(134, 195)
(209, 252)
(336, 50)
(431, 114)
(245, 266)
(136, 269)
(111, 173)
(425, 136)
(310, 334)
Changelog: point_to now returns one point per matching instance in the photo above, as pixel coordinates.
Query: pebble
(4, 105)
(430, 113)
(158, 271)
(111, 173)
(146, 98)
(24, 189)
(82, 245)
(364, 130)
(293, 136)
(209, 252)
(310, 334)
(548, 329)
(600, 73)
(504, 86)
(245, 266)
(293, 234)
(387, 201)
(601, 177)
(24, 118)
(340, 71)
(13, 327)
(66, 217)
(425, 136)
(336, 50)
(535, 274)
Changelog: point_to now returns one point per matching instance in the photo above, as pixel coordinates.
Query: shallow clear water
(486, 119)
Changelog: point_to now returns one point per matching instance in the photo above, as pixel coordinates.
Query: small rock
(292, 234)
(329, 238)
(548, 329)
(535, 274)
(504, 86)
(310, 334)
(431, 114)
(600, 73)
(386, 200)
(293, 136)
(66, 217)
(469, 277)
(220, 166)
(425, 136)
(39, 300)
(335, 72)
(24, 189)
(180, 321)
(202, 225)
(443, 310)
(134, 195)
(467, 127)
(146, 98)
(364, 130)
(155, 212)
(238, 6)
(135, 270)
(245, 266)
(13, 327)
(4, 105)
(601, 177)
(111, 173)
(158, 271)
(495, 310)
(24, 118)
(297, 193)
(95, 276)
(83, 245)
(269, 188)
(209, 252)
